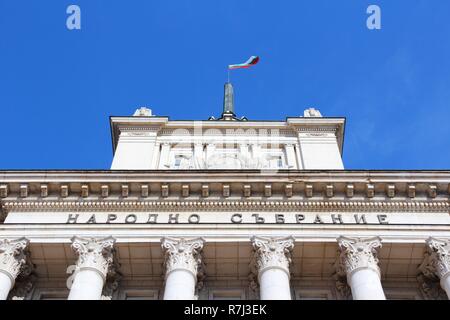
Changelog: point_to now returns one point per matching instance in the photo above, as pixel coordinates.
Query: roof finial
(228, 99)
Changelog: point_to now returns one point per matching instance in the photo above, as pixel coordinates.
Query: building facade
(225, 208)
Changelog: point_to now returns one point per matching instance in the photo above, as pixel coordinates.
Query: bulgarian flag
(250, 62)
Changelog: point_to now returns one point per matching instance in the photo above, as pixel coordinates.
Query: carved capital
(13, 257)
(437, 259)
(358, 253)
(183, 254)
(272, 253)
(94, 254)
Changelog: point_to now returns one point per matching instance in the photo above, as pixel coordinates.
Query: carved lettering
(258, 219)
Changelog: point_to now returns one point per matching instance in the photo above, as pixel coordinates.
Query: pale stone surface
(437, 262)
(272, 260)
(95, 258)
(358, 260)
(12, 260)
(182, 263)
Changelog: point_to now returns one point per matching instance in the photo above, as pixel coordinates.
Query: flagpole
(228, 74)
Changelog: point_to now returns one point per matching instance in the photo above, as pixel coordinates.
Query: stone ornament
(358, 253)
(143, 112)
(272, 253)
(13, 257)
(311, 113)
(437, 259)
(94, 254)
(183, 254)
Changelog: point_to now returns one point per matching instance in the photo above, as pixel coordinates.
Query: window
(53, 295)
(280, 162)
(178, 161)
(313, 294)
(227, 294)
(140, 294)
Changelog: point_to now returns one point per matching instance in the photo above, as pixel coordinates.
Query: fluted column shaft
(12, 259)
(272, 260)
(182, 263)
(359, 261)
(95, 258)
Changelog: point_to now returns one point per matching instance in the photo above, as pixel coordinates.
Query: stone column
(358, 261)
(437, 262)
(182, 264)
(272, 260)
(12, 259)
(95, 258)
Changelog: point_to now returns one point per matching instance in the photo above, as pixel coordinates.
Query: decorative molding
(390, 190)
(23, 288)
(23, 190)
(370, 190)
(309, 190)
(357, 253)
(112, 283)
(329, 191)
(205, 191)
(432, 191)
(4, 191)
(164, 190)
(144, 190)
(64, 191)
(350, 190)
(247, 190)
(226, 190)
(430, 288)
(125, 190)
(84, 190)
(94, 254)
(436, 263)
(271, 253)
(185, 190)
(105, 191)
(13, 257)
(268, 190)
(185, 254)
(44, 190)
(326, 206)
(288, 190)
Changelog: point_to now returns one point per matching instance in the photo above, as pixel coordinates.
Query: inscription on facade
(233, 218)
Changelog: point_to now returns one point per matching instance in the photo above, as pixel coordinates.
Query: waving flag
(250, 62)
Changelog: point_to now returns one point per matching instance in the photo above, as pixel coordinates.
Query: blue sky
(59, 87)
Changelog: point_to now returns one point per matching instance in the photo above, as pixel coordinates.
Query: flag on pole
(250, 62)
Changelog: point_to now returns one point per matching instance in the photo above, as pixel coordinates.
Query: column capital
(272, 253)
(437, 258)
(94, 254)
(13, 257)
(358, 253)
(182, 254)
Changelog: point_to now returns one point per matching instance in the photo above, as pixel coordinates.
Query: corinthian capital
(437, 258)
(272, 253)
(94, 254)
(13, 256)
(182, 254)
(358, 253)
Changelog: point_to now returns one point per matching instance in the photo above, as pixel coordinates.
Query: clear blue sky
(59, 87)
